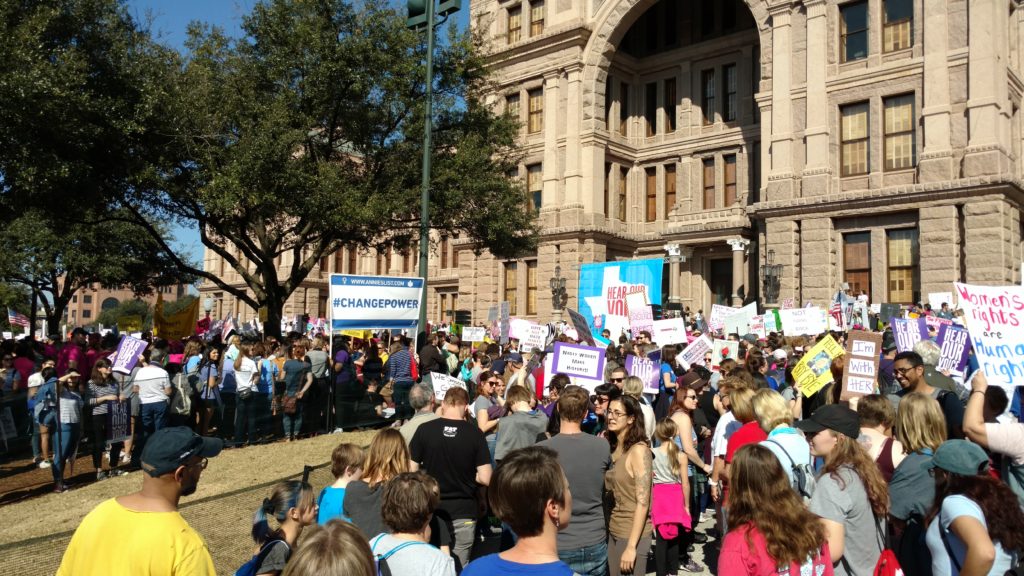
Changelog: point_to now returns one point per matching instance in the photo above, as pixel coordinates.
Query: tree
(140, 308)
(17, 298)
(305, 136)
(53, 258)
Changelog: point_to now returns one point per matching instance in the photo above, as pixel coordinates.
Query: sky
(169, 20)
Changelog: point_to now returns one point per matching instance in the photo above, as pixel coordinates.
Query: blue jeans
(264, 421)
(590, 560)
(400, 396)
(293, 422)
(64, 442)
(152, 417)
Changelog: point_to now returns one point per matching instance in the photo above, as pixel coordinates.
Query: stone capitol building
(870, 142)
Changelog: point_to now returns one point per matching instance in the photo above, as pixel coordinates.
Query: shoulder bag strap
(784, 451)
(945, 542)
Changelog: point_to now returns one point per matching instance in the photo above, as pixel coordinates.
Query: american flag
(836, 311)
(16, 319)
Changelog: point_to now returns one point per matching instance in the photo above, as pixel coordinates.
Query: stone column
(817, 174)
(573, 174)
(991, 241)
(686, 276)
(781, 170)
(988, 116)
(674, 258)
(739, 246)
(939, 238)
(936, 162)
(817, 259)
(551, 175)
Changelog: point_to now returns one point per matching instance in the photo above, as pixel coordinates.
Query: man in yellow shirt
(142, 534)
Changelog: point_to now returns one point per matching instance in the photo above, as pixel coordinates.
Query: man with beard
(143, 533)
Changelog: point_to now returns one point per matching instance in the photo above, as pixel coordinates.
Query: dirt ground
(36, 525)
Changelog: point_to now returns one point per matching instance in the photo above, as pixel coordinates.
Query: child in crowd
(407, 503)
(291, 504)
(669, 497)
(346, 465)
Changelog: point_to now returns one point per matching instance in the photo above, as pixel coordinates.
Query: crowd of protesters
(926, 474)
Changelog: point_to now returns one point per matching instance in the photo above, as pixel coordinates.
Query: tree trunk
(275, 306)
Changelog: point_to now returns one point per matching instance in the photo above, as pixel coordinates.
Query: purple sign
(645, 369)
(580, 361)
(127, 355)
(954, 342)
(908, 332)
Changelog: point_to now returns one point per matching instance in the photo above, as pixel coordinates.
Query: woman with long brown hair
(850, 494)
(387, 457)
(770, 528)
(628, 483)
(975, 523)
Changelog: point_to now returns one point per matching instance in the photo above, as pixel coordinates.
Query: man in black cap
(143, 533)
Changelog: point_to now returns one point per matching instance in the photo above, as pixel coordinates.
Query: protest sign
(888, 311)
(504, 322)
(519, 328)
(809, 321)
(875, 308)
(813, 371)
(603, 288)
(536, 337)
(641, 318)
(175, 326)
(575, 360)
(756, 327)
(590, 384)
(908, 332)
(861, 371)
(739, 322)
(669, 331)
(473, 334)
(955, 347)
(442, 382)
(937, 299)
(127, 354)
(119, 421)
(860, 315)
(7, 427)
(8, 335)
(129, 323)
(581, 325)
(718, 315)
(772, 322)
(935, 322)
(368, 302)
(695, 351)
(724, 349)
(492, 314)
(788, 303)
(994, 316)
(645, 369)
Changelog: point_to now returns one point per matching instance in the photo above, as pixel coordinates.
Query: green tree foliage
(140, 308)
(17, 298)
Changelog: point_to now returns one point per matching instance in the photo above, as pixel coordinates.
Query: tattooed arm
(639, 465)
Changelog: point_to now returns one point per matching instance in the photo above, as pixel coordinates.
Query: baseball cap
(779, 354)
(169, 448)
(834, 417)
(689, 379)
(960, 457)
(515, 358)
(78, 330)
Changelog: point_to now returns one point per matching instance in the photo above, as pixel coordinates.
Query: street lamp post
(421, 13)
(559, 297)
(771, 278)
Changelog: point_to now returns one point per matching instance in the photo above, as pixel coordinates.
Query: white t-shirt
(413, 558)
(35, 380)
(152, 380)
(247, 376)
(727, 424)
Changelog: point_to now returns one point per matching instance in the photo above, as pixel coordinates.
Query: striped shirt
(109, 388)
(400, 366)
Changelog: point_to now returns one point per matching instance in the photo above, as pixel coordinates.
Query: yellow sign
(813, 371)
(130, 323)
(361, 334)
(263, 313)
(175, 326)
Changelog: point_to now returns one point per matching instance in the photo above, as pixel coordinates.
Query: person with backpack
(335, 549)
(921, 429)
(407, 503)
(771, 531)
(293, 505)
(787, 443)
(1006, 438)
(317, 405)
(209, 388)
(974, 526)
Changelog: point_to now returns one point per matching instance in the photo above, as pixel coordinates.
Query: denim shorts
(587, 561)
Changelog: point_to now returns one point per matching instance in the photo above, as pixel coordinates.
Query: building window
(651, 108)
(406, 262)
(854, 18)
(536, 18)
(86, 313)
(624, 109)
(899, 132)
(730, 180)
(609, 84)
(536, 120)
(531, 287)
(515, 24)
(652, 194)
(855, 139)
(443, 305)
(857, 262)
(87, 299)
(380, 264)
(729, 85)
(323, 265)
(902, 249)
(352, 260)
(898, 18)
(455, 258)
(707, 103)
(670, 188)
(510, 287)
(670, 104)
(709, 183)
(74, 299)
(512, 105)
(535, 186)
(444, 252)
(622, 193)
(607, 189)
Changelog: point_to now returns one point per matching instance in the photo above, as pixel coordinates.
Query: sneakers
(101, 475)
(45, 464)
(117, 472)
(692, 567)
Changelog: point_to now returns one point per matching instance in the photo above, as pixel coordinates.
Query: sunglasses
(599, 399)
(616, 379)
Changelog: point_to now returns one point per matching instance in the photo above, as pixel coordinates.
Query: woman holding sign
(103, 389)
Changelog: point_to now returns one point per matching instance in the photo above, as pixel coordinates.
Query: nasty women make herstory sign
(576, 360)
